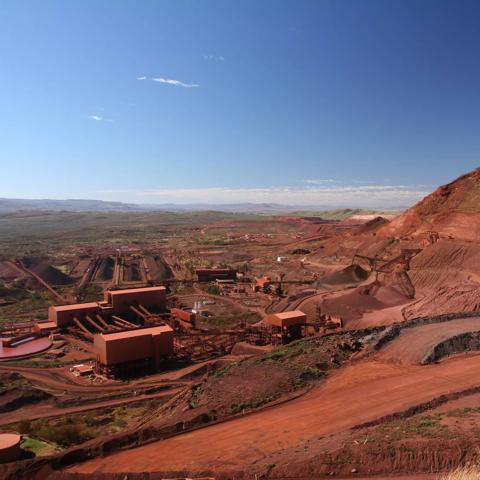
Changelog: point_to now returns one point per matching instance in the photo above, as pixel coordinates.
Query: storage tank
(10, 450)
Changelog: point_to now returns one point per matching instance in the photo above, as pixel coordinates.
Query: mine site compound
(133, 332)
(276, 347)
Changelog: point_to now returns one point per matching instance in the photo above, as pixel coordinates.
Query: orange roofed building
(63, 315)
(287, 319)
(115, 302)
(143, 348)
(149, 297)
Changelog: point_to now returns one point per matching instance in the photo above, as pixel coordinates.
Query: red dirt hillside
(453, 210)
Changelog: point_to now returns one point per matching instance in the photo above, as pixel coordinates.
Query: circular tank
(9, 447)
(31, 347)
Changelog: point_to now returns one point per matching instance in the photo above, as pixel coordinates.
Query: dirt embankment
(414, 456)
(358, 303)
(232, 390)
(352, 274)
(446, 279)
(132, 271)
(379, 389)
(157, 269)
(16, 392)
(391, 332)
(453, 210)
(463, 342)
(433, 436)
(49, 274)
(105, 269)
(427, 343)
(257, 381)
(9, 271)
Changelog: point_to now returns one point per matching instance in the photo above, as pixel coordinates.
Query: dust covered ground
(384, 393)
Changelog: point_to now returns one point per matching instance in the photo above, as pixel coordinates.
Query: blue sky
(361, 103)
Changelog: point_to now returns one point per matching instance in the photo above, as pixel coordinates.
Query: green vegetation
(24, 426)
(71, 430)
(212, 289)
(309, 358)
(313, 355)
(39, 363)
(424, 426)
(212, 241)
(36, 233)
(434, 431)
(39, 447)
(30, 300)
(230, 320)
(65, 433)
(10, 381)
(243, 406)
(90, 293)
(223, 371)
(256, 381)
(193, 403)
(269, 467)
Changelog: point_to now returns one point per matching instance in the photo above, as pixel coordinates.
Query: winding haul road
(414, 344)
(358, 393)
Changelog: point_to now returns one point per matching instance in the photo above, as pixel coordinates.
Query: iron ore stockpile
(238, 347)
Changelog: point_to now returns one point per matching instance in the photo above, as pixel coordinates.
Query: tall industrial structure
(116, 302)
(130, 352)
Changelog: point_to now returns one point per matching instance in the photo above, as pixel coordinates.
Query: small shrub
(24, 427)
(64, 435)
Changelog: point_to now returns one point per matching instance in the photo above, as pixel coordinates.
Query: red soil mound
(446, 279)
(373, 225)
(47, 272)
(453, 210)
(244, 348)
(9, 272)
(352, 274)
(369, 298)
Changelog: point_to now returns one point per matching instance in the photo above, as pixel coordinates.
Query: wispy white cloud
(313, 181)
(217, 58)
(329, 196)
(168, 81)
(98, 118)
(176, 83)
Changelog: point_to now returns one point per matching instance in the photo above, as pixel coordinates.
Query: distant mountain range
(11, 205)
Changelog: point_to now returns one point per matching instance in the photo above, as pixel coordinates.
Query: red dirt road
(361, 392)
(414, 344)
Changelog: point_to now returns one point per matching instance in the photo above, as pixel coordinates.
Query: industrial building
(262, 283)
(213, 274)
(287, 319)
(186, 318)
(148, 297)
(63, 315)
(129, 352)
(287, 326)
(45, 328)
(116, 302)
